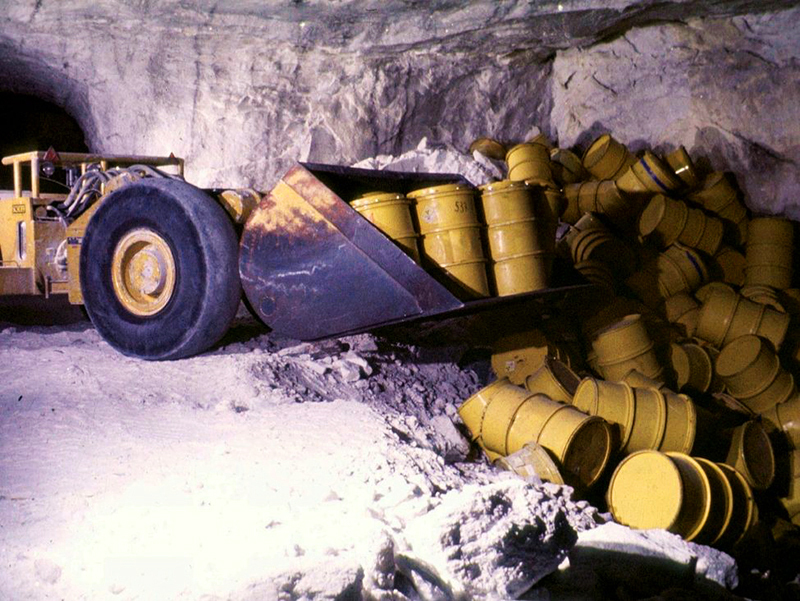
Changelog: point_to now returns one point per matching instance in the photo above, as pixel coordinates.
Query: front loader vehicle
(157, 261)
(152, 258)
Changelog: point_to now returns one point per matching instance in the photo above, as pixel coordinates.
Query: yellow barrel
(763, 295)
(646, 363)
(751, 454)
(773, 230)
(692, 366)
(507, 201)
(744, 513)
(450, 230)
(747, 318)
(570, 168)
(532, 461)
(473, 409)
(488, 147)
(448, 205)
(713, 233)
(553, 379)
(572, 212)
(728, 265)
(768, 263)
(716, 193)
(649, 420)
(515, 417)
(703, 293)
(654, 174)
(683, 166)
(622, 340)
(752, 373)
(786, 417)
(622, 210)
(598, 273)
(606, 158)
(390, 213)
(516, 237)
(581, 444)
(504, 400)
(529, 162)
(681, 427)
(716, 314)
(518, 355)
(721, 502)
(466, 280)
(680, 269)
(663, 220)
(453, 245)
(682, 310)
(520, 273)
(650, 489)
(638, 380)
(613, 401)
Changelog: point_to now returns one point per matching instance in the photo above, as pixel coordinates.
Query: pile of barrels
(498, 240)
(670, 388)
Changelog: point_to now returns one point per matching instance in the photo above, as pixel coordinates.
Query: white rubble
(218, 477)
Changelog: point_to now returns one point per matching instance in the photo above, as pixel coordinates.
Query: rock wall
(243, 89)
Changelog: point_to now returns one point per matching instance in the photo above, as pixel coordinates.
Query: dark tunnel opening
(31, 123)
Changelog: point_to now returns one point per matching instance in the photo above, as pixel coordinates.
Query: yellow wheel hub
(143, 272)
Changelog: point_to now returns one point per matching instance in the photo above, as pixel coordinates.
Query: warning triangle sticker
(51, 155)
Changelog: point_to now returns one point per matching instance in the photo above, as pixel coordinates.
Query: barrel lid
(751, 442)
(705, 291)
(442, 189)
(680, 364)
(652, 215)
(596, 150)
(376, 197)
(588, 451)
(506, 184)
(646, 491)
(586, 396)
(738, 354)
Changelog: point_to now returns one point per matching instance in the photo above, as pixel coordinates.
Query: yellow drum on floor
(752, 456)
(606, 158)
(683, 166)
(553, 379)
(671, 491)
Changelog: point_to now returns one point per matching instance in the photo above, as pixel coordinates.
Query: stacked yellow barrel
(690, 341)
(451, 237)
(390, 212)
(521, 231)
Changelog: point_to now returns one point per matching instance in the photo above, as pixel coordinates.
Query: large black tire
(205, 289)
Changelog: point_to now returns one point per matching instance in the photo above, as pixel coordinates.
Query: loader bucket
(312, 267)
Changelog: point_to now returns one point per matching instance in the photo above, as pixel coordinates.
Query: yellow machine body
(40, 252)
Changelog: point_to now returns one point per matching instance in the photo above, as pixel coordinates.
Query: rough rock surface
(728, 90)
(243, 89)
